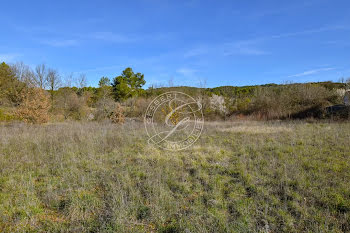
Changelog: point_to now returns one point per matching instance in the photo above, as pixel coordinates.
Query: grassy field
(238, 177)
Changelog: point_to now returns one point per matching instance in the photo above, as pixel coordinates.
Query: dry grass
(255, 128)
(90, 177)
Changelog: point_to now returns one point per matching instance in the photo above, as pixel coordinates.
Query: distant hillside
(233, 91)
(269, 101)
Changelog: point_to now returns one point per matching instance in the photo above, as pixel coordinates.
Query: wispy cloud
(57, 38)
(247, 47)
(285, 9)
(196, 52)
(186, 72)
(310, 72)
(9, 57)
(308, 31)
(127, 38)
(251, 46)
(61, 43)
(243, 48)
(339, 43)
(112, 37)
(104, 68)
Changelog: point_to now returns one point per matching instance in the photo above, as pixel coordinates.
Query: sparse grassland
(238, 177)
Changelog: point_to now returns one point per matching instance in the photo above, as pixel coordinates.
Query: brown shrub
(34, 107)
(117, 116)
(105, 107)
(292, 101)
(71, 105)
(136, 107)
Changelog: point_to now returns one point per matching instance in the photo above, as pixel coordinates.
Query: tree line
(34, 94)
(39, 94)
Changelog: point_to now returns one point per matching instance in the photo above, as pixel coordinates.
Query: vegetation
(10, 86)
(127, 85)
(90, 169)
(117, 115)
(79, 102)
(238, 177)
(34, 106)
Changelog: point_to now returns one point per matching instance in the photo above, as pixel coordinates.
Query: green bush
(5, 116)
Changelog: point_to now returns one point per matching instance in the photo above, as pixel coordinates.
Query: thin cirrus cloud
(9, 57)
(61, 43)
(250, 46)
(124, 38)
(282, 10)
(196, 52)
(112, 37)
(227, 49)
(104, 68)
(186, 72)
(47, 36)
(309, 31)
(99, 36)
(310, 72)
(242, 48)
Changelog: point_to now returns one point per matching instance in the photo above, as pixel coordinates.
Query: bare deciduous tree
(41, 76)
(68, 80)
(23, 73)
(171, 82)
(81, 81)
(202, 96)
(53, 81)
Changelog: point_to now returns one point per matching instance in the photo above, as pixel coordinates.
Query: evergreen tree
(128, 84)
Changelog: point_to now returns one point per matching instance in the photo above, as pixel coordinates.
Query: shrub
(104, 108)
(4, 116)
(70, 104)
(34, 107)
(217, 103)
(291, 101)
(136, 106)
(117, 116)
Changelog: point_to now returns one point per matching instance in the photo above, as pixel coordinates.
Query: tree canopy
(10, 86)
(128, 84)
(104, 81)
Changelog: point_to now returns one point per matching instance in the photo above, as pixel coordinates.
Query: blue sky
(188, 42)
